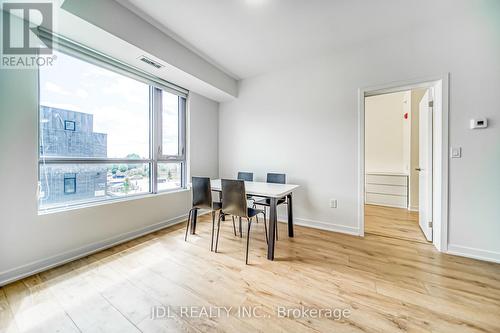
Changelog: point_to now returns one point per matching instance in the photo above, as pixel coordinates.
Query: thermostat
(478, 123)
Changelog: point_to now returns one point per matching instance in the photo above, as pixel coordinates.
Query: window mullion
(156, 134)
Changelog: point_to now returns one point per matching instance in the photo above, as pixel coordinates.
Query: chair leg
(254, 206)
(213, 227)
(188, 222)
(265, 227)
(248, 239)
(234, 226)
(241, 232)
(217, 239)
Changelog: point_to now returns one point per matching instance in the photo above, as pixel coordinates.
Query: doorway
(403, 161)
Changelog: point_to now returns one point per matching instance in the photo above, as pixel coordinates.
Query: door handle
(418, 169)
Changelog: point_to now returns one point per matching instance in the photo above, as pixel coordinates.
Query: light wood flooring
(389, 285)
(393, 222)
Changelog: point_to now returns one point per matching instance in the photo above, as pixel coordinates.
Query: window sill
(108, 202)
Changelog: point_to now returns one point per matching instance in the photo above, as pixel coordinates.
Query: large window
(105, 133)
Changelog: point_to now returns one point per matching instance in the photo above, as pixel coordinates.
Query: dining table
(271, 191)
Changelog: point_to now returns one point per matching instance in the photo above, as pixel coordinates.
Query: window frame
(66, 128)
(73, 178)
(157, 138)
(181, 126)
(156, 86)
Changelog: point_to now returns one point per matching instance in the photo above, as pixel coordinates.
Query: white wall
(28, 241)
(303, 120)
(387, 133)
(204, 143)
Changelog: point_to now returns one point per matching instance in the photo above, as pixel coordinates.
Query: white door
(425, 164)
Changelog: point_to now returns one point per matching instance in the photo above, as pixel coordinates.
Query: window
(70, 183)
(169, 176)
(170, 124)
(106, 131)
(69, 125)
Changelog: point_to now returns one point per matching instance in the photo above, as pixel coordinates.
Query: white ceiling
(249, 37)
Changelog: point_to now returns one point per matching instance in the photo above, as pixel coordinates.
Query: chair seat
(267, 202)
(253, 212)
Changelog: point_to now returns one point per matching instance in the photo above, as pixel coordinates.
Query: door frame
(440, 150)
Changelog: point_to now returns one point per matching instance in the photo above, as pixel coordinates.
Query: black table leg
(272, 228)
(193, 221)
(290, 215)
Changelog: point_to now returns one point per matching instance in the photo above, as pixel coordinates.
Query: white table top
(269, 190)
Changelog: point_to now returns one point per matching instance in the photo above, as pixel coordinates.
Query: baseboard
(386, 205)
(60, 259)
(413, 208)
(322, 225)
(474, 253)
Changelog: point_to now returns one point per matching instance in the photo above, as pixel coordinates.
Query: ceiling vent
(150, 62)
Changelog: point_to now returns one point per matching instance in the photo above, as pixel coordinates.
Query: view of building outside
(65, 133)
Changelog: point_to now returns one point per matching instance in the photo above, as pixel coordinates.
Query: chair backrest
(246, 176)
(234, 197)
(276, 178)
(202, 192)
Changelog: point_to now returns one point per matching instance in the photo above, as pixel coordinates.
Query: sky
(120, 105)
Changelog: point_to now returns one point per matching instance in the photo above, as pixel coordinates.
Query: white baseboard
(34, 267)
(322, 225)
(413, 208)
(474, 253)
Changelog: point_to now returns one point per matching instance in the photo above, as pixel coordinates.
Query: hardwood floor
(393, 222)
(387, 284)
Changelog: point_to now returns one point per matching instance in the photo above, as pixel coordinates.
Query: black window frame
(66, 122)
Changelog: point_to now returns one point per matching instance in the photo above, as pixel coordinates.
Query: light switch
(456, 152)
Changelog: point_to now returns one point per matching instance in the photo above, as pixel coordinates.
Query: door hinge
(431, 104)
(430, 224)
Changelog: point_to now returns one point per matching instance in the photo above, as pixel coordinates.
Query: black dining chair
(202, 199)
(246, 176)
(274, 178)
(234, 202)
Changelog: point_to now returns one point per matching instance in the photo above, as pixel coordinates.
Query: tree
(132, 156)
(123, 168)
(169, 174)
